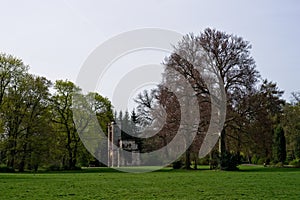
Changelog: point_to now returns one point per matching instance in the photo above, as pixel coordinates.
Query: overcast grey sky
(55, 37)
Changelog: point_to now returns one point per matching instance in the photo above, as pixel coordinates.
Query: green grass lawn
(102, 183)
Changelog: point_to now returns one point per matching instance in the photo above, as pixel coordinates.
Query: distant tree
(296, 97)
(291, 124)
(63, 117)
(119, 117)
(146, 102)
(89, 111)
(127, 125)
(26, 115)
(229, 56)
(102, 108)
(152, 118)
(134, 123)
(126, 131)
(11, 68)
(68, 135)
(279, 145)
(134, 117)
(297, 148)
(256, 114)
(36, 123)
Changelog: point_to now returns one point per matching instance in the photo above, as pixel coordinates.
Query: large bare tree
(199, 59)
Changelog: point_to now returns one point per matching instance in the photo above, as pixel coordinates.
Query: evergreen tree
(279, 145)
(134, 123)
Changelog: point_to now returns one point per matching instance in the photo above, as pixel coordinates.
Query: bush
(204, 161)
(295, 163)
(177, 164)
(214, 163)
(6, 169)
(214, 160)
(273, 163)
(77, 168)
(268, 160)
(56, 167)
(254, 159)
(53, 168)
(279, 164)
(229, 162)
(261, 161)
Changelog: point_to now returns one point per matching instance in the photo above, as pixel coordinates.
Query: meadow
(250, 182)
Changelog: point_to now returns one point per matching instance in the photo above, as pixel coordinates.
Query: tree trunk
(222, 149)
(70, 162)
(12, 155)
(239, 147)
(211, 160)
(22, 165)
(23, 158)
(196, 162)
(188, 159)
(11, 160)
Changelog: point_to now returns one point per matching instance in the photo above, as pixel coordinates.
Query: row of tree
(259, 125)
(37, 126)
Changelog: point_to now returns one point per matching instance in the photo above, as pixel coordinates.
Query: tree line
(36, 124)
(37, 128)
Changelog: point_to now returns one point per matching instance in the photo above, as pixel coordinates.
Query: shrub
(6, 169)
(260, 161)
(53, 168)
(214, 160)
(268, 160)
(279, 164)
(273, 163)
(279, 145)
(229, 162)
(295, 163)
(254, 159)
(177, 164)
(204, 161)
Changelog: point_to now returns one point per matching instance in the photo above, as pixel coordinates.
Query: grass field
(103, 183)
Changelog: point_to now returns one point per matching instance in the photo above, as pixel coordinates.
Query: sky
(56, 37)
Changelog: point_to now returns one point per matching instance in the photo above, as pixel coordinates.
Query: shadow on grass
(241, 168)
(144, 169)
(110, 170)
(259, 168)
